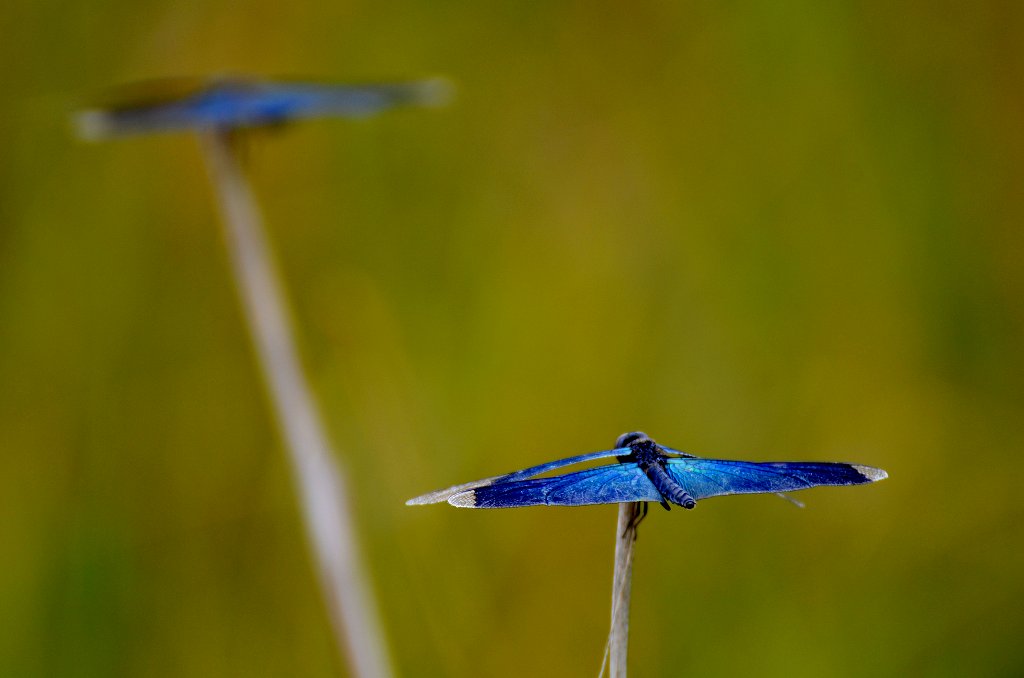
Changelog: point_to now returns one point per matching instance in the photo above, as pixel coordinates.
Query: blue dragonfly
(230, 103)
(646, 471)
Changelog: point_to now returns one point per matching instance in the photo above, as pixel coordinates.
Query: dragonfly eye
(627, 439)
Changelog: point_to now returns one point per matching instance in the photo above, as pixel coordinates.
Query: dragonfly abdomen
(668, 487)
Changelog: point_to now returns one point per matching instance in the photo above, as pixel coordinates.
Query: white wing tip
(450, 493)
(429, 498)
(463, 499)
(434, 92)
(92, 125)
(870, 472)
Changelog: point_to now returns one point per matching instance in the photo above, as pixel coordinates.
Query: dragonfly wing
(676, 453)
(221, 104)
(232, 103)
(568, 461)
(445, 494)
(360, 100)
(97, 124)
(249, 104)
(713, 477)
(610, 484)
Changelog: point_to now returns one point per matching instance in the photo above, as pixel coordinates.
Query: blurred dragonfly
(229, 103)
(646, 472)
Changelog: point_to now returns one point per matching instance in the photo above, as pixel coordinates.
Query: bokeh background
(754, 229)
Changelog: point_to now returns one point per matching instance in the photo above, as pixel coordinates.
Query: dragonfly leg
(637, 519)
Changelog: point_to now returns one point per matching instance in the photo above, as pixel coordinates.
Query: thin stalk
(319, 478)
(625, 541)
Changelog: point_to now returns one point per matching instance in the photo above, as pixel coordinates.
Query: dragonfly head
(627, 439)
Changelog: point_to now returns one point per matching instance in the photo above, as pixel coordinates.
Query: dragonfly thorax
(643, 451)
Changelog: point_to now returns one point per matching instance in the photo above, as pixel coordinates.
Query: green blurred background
(758, 230)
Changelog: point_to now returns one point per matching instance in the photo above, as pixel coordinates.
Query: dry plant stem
(625, 540)
(319, 479)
